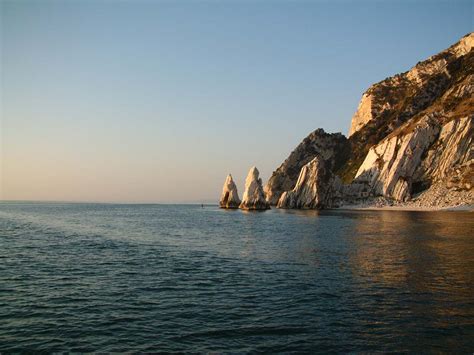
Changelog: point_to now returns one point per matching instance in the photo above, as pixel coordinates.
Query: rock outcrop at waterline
(316, 188)
(230, 196)
(254, 198)
(411, 132)
(427, 154)
(330, 147)
(411, 139)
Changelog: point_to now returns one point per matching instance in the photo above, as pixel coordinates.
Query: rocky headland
(410, 145)
(315, 188)
(332, 148)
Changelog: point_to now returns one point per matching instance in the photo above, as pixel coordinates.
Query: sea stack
(254, 198)
(230, 196)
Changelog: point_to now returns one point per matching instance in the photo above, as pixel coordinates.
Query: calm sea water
(101, 277)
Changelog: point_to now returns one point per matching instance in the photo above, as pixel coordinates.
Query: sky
(157, 101)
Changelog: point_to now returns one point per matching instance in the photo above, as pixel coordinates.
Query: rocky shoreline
(437, 198)
(410, 146)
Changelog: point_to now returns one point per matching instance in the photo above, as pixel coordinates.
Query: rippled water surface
(98, 277)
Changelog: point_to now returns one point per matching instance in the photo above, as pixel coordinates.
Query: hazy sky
(154, 101)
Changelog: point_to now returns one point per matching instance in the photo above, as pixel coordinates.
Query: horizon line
(109, 202)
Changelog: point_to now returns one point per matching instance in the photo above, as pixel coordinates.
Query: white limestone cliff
(411, 141)
(428, 153)
(329, 146)
(451, 160)
(254, 198)
(390, 164)
(424, 81)
(229, 196)
(316, 188)
(363, 114)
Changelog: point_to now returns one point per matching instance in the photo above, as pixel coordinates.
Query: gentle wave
(144, 278)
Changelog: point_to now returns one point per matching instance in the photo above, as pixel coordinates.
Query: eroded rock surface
(451, 159)
(389, 166)
(330, 147)
(230, 196)
(441, 85)
(413, 90)
(317, 188)
(411, 139)
(254, 198)
(412, 161)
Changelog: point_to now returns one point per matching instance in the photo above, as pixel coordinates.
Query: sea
(78, 277)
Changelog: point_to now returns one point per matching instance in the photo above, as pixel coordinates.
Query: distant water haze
(159, 101)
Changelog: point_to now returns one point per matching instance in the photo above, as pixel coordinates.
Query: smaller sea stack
(230, 196)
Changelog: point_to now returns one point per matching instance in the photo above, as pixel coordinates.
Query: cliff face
(441, 84)
(434, 146)
(316, 188)
(330, 147)
(411, 132)
(407, 163)
(451, 160)
(410, 92)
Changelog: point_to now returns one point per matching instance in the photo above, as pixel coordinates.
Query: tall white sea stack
(254, 198)
(229, 197)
